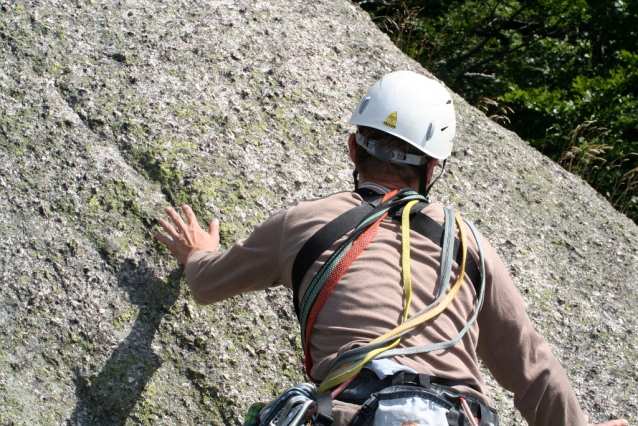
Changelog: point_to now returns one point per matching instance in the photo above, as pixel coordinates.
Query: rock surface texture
(111, 111)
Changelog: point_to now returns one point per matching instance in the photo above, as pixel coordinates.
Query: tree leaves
(563, 68)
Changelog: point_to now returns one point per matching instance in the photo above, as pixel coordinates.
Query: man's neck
(390, 184)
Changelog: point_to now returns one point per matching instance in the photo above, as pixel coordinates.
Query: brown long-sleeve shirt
(368, 301)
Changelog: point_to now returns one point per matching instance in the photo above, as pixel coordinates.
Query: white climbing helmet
(411, 107)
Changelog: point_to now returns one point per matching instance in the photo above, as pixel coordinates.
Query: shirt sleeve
(518, 357)
(252, 264)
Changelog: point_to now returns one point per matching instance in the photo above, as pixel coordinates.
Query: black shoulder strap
(323, 239)
(430, 229)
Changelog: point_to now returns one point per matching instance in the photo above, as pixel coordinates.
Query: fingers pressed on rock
(168, 228)
(190, 216)
(177, 219)
(214, 226)
(163, 239)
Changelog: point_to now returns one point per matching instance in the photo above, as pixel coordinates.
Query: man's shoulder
(336, 201)
(313, 212)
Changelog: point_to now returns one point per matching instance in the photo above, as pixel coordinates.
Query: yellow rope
(407, 291)
(405, 257)
(446, 300)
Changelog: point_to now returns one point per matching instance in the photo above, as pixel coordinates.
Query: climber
(405, 126)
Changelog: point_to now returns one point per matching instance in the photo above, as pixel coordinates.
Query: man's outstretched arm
(251, 264)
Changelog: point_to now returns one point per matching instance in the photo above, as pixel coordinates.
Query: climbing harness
(420, 399)
(363, 223)
(366, 220)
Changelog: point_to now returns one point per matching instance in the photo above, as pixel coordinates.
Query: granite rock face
(112, 110)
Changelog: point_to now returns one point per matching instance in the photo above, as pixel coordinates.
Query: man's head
(405, 121)
(378, 164)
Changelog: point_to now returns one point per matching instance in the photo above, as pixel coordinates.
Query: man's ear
(352, 146)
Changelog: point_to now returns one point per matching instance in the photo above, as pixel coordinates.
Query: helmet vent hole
(448, 102)
(444, 128)
(364, 104)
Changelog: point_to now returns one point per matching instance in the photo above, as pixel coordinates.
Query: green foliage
(562, 74)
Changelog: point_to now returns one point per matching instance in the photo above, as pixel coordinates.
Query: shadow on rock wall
(108, 397)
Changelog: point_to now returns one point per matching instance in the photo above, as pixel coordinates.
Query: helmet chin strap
(355, 176)
(424, 188)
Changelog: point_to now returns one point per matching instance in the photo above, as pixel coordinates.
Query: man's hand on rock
(189, 237)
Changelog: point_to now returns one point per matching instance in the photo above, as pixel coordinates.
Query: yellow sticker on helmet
(391, 121)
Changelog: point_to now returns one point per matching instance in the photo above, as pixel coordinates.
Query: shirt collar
(375, 187)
